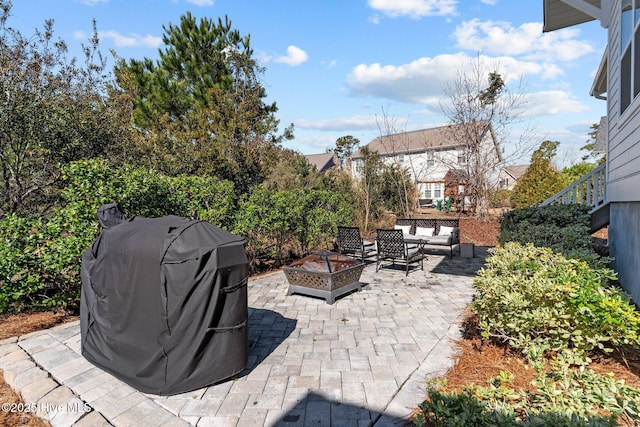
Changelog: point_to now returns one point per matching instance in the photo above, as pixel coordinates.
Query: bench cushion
(424, 231)
(406, 229)
(446, 231)
(440, 240)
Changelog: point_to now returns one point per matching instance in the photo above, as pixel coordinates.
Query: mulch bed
(12, 325)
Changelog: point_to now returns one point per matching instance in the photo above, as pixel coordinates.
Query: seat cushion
(445, 231)
(439, 240)
(406, 229)
(424, 231)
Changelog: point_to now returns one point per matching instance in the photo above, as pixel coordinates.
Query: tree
(368, 190)
(200, 107)
(479, 102)
(574, 172)
(52, 111)
(541, 180)
(290, 171)
(344, 149)
(397, 176)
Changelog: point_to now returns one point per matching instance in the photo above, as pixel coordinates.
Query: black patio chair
(392, 246)
(350, 241)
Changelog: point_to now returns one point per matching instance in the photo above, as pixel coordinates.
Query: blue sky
(339, 67)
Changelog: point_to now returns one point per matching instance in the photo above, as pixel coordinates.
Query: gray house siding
(623, 145)
(624, 245)
(623, 166)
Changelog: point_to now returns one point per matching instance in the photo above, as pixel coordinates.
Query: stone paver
(361, 361)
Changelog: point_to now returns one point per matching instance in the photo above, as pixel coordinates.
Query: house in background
(509, 175)
(618, 82)
(433, 155)
(323, 162)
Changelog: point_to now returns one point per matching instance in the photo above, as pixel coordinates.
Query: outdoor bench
(434, 232)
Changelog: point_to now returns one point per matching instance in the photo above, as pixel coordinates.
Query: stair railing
(590, 190)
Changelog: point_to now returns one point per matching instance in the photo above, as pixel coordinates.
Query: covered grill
(164, 302)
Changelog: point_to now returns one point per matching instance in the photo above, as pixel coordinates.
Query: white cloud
(201, 2)
(552, 102)
(339, 124)
(490, 2)
(134, 40)
(414, 8)
(424, 80)
(295, 56)
(527, 40)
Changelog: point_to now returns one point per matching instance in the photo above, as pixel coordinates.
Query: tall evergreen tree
(200, 107)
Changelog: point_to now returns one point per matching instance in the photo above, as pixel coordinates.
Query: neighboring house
(618, 81)
(323, 162)
(430, 154)
(509, 175)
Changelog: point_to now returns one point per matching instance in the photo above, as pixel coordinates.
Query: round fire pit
(326, 275)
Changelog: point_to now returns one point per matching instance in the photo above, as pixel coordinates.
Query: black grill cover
(164, 302)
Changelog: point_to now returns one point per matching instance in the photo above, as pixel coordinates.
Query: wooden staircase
(590, 190)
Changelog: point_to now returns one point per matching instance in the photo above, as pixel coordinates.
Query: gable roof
(516, 171)
(438, 138)
(322, 162)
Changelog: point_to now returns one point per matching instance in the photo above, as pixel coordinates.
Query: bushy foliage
(53, 110)
(201, 105)
(143, 192)
(500, 198)
(574, 172)
(280, 224)
(395, 194)
(563, 228)
(40, 257)
(541, 179)
(556, 311)
(497, 404)
(530, 296)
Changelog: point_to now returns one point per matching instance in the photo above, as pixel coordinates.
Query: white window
(427, 191)
(400, 158)
(630, 52)
(462, 158)
(437, 191)
(359, 165)
(431, 161)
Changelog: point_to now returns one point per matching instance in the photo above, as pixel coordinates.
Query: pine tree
(200, 107)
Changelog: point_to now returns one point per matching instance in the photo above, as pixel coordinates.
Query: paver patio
(359, 362)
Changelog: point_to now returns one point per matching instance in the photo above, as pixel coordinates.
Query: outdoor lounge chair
(392, 246)
(350, 242)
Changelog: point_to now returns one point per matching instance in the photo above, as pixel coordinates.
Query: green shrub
(40, 258)
(530, 296)
(143, 192)
(500, 198)
(563, 228)
(280, 224)
(559, 215)
(498, 405)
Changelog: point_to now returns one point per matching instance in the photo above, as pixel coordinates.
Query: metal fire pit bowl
(325, 274)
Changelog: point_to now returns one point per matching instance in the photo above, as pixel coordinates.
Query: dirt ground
(478, 361)
(15, 325)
